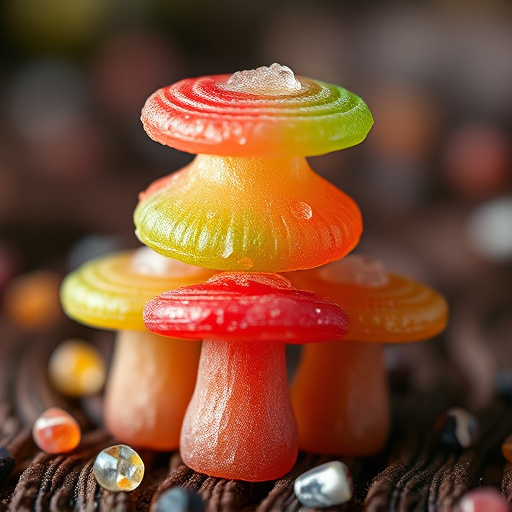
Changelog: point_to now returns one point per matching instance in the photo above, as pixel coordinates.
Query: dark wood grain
(413, 473)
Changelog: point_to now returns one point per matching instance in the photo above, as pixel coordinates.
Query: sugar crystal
(274, 80)
(356, 270)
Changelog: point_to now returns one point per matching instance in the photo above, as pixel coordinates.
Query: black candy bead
(503, 384)
(6, 464)
(458, 429)
(179, 499)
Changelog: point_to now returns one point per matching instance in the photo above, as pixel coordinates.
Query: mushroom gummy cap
(245, 307)
(238, 116)
(382, 307)
(110, 291)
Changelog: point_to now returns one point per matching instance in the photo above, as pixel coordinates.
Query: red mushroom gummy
(240, 424)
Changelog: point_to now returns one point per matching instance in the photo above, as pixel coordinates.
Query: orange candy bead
(506, 448)
(77, 369)
(32, 300)
(55, 431)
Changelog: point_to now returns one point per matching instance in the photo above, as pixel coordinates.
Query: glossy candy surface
(347, 411)
(118, 468)
(324, 486)
(55, 431)
(248, 114)
(239, 424)
(150, 385)
(382, 307)
(245, 307)
(111, 291)
(32, 300)
(248, 214)
(483, 499)
(77, 369)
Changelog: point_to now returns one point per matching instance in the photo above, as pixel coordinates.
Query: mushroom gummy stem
(345, 411)
(151, 380)
(240, 424)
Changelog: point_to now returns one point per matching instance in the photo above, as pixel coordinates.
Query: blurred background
(433, 179)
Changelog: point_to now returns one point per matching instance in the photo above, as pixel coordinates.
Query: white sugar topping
(274, 80)
(147, 262)
(358, 270)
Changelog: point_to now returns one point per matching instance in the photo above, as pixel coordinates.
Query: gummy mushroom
(340, 395)
(240, 424)
(151, 378)
(249, 201)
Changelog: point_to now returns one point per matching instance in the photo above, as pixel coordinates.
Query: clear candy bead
(118, 468)
(324, 486)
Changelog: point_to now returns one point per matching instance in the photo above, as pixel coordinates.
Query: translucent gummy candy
(55, 431)
(118, 468)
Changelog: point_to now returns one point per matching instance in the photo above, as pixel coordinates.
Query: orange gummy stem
(240, 424)
(342, 409)
(151, 381)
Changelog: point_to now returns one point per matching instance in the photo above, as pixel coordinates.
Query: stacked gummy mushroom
(249, 204)
(151, 379)
(347, 412)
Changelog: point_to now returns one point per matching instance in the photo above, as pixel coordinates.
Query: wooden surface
(413, 473)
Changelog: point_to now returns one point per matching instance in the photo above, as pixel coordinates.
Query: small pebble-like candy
(55, 431)
(32, 300)
(6, 464)
(324, 486)
(179, 499)
(506, 448)
(118, 468)
(483, 499)
(458, 428)
(77, 369)
(490, 230)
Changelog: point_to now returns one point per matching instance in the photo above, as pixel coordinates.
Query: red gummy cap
(245, 307)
